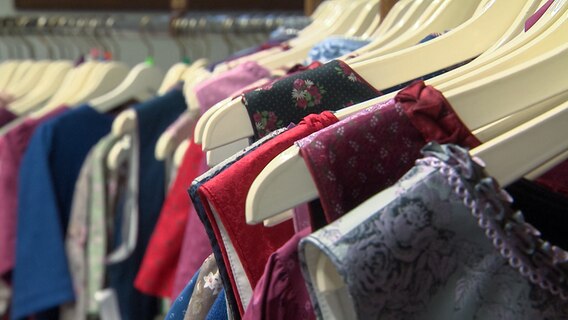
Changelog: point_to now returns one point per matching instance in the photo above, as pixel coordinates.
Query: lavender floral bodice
(442, 243)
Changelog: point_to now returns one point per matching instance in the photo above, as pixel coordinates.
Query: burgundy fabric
(227, 194)
(6, 116)
(360, 156)
(537, 15)
(556, 179)
(13, 144)
(281, 293)
(157, 272)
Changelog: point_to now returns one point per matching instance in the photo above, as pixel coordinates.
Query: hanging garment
(357, 157)
(6, 116)
(334, 47)
(206, 291)
(332, 86)
(220, 86)
(281, 292)
(158, 269)
(200, 210)
(224, 200)
(86, 240)
(48, 173)
(195, 246)
(443, 243)
(179, 305)
(153, 117)
(13, 144)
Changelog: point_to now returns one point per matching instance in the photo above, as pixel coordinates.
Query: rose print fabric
(442, 243)
(359, 156)
(332, 86)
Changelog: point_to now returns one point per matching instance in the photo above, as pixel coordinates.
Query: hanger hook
(144, 23)
(22, 23)
(111, 35)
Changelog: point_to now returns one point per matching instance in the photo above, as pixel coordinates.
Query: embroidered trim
(517, 241)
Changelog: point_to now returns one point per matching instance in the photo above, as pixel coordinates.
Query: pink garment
(537, 15)
(12, 147)
(220, 86)
(182, 128)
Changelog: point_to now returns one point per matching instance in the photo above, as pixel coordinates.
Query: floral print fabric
(443, 243)
(207, 289)
(359, 156)
(332, 86)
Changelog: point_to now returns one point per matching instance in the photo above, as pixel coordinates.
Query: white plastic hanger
(475, 104)
(548, 33)
(543, 30)
(48, 84)
(173, 76)
(343, 26)
(506, 158)
(106, 77)
(232, 123)
(394, 15)
(29, 80)
(7, 69)
(447, 15)
(140, 84)
(74, 80)
(408, 21)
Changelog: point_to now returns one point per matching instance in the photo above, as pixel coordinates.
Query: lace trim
(517, 241)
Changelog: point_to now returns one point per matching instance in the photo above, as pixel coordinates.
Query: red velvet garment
(158, 269)
(358, 157)
(227, 192)
(556, 179)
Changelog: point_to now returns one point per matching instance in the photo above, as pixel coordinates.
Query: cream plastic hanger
(525, 47)
(105, 77)
(20, 68)
(546, 25)
(472, 38)
(172, 77)
(327, 13)
(408, 21)
(141, 83)
(506, 158)
(7, 69)
(72, 83)
(29, 80)
(395, 14)
(167, 143)
(447, 15)
(47, 85)
(475, 105)
(343, 26)
(232, 122)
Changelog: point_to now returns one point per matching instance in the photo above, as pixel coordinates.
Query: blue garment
(154, 117)
(218, 310)
(49, 170)
(179, 306)
(334, 47)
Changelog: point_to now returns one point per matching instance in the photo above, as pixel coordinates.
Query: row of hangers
(512, 95)
(39, 86)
